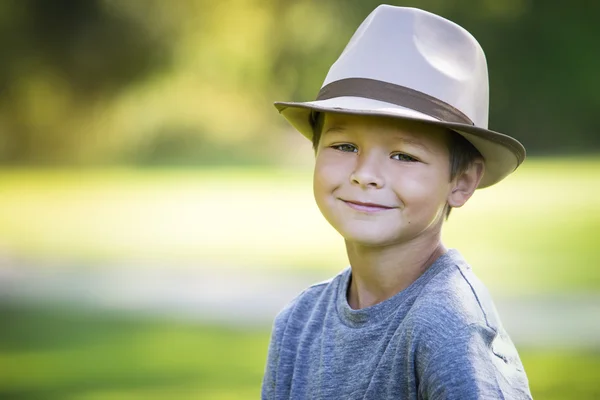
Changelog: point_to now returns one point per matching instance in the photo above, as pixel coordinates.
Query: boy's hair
(462, 153)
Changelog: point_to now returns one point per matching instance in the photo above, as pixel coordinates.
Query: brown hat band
(394, 94)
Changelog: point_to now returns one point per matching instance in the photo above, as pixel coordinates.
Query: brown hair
(462, 153)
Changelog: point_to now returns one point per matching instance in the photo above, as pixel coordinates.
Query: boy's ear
(465, 184)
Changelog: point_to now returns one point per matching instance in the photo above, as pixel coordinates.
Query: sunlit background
(156, 212)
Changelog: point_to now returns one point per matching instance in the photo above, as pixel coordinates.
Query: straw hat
(410, 64)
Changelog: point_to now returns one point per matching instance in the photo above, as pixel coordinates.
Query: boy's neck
(379, 273)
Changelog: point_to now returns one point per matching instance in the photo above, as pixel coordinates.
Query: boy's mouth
(366, 207)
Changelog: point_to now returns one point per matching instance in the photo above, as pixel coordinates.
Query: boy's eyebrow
(338, 128)
(412, 142)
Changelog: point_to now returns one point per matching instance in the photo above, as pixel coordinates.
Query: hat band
(394, 94)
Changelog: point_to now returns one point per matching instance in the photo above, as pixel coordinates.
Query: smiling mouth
(366, 207)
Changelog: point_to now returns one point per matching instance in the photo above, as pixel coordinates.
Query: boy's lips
(366, 207)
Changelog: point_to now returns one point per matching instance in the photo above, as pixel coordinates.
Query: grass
(57, 354)
(533, 233)
(68, 354)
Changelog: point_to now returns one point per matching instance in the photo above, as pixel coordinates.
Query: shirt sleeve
(270, 377)
(466, 367)
(268, 383)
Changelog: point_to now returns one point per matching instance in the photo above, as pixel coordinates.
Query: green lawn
(58, 354)
(535, 232)
(67, 354)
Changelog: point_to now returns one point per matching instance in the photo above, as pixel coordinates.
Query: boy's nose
(367, 173)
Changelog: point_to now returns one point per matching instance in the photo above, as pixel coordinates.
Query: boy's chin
(370, 239)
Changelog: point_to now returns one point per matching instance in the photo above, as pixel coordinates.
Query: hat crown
(421, 51)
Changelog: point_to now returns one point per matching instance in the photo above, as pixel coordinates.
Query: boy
(400, 134)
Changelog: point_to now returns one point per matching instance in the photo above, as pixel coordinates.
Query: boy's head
(461, 153)
(404, 109)
(379, 181)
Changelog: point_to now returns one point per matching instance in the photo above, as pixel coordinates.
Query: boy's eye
(403, 157)
(345, 147)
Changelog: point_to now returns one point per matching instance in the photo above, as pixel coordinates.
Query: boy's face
(380, 181)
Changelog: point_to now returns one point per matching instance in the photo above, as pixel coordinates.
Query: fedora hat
(410, 64)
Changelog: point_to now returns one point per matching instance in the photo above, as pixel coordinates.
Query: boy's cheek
(331, 169)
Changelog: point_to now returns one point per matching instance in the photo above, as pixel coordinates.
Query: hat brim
(502, 154)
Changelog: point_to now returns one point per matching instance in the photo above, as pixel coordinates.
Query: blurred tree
(60, 58)
(193, 81)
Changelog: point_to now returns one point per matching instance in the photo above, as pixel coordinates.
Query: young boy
(400, 134)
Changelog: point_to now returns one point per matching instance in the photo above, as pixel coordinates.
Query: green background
(141, 133)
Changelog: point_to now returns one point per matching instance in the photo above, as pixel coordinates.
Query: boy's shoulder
(455, 298)
(455, 313)
(316, 298)
(455, 291)
(310, 297)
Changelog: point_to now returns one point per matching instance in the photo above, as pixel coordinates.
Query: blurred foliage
(61, 60)
(58, 353)
(191, 82)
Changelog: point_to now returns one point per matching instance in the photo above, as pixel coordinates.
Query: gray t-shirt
(440, 338)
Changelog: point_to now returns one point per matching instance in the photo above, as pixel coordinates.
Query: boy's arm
(465, 367)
